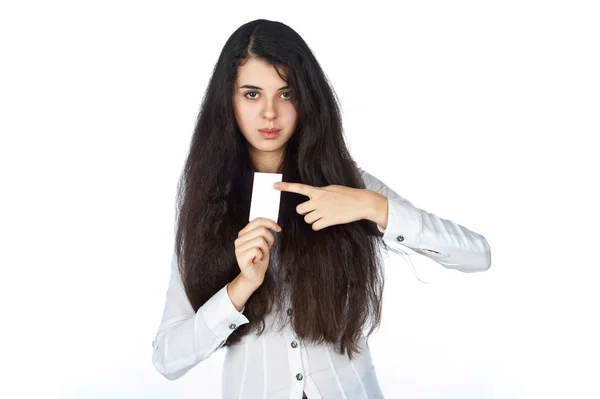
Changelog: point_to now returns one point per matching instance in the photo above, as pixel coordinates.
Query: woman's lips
(270, 135)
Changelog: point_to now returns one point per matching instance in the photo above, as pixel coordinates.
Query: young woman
(293, 300)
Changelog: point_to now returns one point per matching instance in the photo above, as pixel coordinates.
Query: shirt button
(400, 238)
(232, 326)
(299, 376)
(289, 312)
(294, 344)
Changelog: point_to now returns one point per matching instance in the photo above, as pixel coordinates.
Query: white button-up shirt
(279, 365)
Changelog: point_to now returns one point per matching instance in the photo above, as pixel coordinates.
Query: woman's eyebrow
(258, 88)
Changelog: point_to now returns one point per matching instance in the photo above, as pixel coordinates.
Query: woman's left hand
(330, 205)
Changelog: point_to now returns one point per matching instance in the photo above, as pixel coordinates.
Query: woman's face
(262, 101)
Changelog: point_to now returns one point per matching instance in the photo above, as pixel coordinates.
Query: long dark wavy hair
(334, 277)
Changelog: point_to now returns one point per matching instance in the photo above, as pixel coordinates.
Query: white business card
(265, 197)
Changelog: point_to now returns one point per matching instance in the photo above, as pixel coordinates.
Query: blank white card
(265, 197)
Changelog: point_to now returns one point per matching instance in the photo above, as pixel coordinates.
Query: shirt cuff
(221, 316)
(404, 223)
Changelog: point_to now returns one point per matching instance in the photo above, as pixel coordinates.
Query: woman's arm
(446, 242)
(184, 337)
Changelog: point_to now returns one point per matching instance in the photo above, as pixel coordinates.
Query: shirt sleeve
(442, 240)
(184, 337)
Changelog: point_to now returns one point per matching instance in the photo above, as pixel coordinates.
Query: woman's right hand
(252, 249)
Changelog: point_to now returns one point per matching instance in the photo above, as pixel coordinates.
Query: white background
(485, 113)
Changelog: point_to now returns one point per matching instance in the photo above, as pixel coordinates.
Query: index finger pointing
(299, 188)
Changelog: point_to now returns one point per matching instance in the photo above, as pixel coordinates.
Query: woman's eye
(253, 97)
